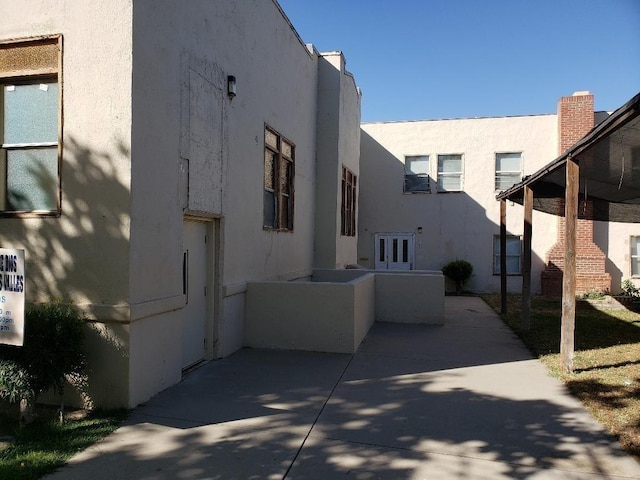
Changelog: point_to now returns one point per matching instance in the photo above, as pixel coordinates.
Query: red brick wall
(575, 120)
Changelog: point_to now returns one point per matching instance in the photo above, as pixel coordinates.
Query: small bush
(630, 289)
(53, 351)
(459, 271)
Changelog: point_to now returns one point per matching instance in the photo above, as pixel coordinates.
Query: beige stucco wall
(410, 297)
(196, 151)
(614, 239)
(313, 316)
(338, 144)
(84, 254)
(460, 224)
(150, 136)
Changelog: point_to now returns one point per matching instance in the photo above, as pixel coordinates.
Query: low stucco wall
(334, 311)
(312, 316)
(410, 297)
(338, 275)
(415, 296)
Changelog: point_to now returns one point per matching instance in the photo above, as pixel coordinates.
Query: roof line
(620, 117)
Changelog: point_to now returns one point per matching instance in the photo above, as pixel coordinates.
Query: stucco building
(159, 155)
(166, 163)
(428, 196)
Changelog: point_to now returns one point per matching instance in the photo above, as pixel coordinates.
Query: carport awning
(609, 161)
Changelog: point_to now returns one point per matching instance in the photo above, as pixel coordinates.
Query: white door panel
(195, 291)
(394, 251)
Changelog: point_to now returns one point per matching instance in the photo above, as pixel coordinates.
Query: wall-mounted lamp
(419, 229)
(231, 86)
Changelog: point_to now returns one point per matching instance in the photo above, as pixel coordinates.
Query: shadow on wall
(83, 255)
(601, 239)
(453, 224)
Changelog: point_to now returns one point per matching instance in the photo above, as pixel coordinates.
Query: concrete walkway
(463, 401)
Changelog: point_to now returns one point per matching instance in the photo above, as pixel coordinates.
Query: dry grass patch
(606, 361)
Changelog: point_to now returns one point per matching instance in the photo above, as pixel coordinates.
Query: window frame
(636, 239)
(459, 174)
(349, 201)
(283, 213)
(496, 255)
(503, 172)
(409, 174)
(34, 74)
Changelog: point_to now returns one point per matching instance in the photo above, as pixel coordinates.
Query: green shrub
(459, 271)
(630, 289)
(53, 352)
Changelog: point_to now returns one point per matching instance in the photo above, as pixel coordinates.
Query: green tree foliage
(53, 352)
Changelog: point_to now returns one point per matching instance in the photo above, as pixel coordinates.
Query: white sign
(12, 280)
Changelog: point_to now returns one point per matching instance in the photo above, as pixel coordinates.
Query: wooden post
(503, 256)
(526, 258)
(567, 343)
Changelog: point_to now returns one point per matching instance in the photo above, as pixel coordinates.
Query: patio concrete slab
(464, 400)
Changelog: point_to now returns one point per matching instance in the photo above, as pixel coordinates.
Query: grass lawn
(46, 444)
(606, 374)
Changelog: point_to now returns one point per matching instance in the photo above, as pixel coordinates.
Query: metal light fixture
(231, 86)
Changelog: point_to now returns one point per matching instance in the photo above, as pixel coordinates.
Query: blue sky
(427, 59)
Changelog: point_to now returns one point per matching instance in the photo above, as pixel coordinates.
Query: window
(29, 127)
(449, 173)
(348, 215)
(279, 158)
(514, 253)
(416, 174)
(508, 170)
(635, 256)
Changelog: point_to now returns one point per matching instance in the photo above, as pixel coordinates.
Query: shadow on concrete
(461, 401)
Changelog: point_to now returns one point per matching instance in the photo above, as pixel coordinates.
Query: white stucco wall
(457, 224)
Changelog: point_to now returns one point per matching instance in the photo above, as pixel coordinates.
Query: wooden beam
(526, 258)
(503, 256)
(567, 342)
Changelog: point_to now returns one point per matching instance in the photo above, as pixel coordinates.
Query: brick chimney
(575, 120)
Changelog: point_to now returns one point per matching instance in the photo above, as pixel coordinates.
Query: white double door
(394, 251)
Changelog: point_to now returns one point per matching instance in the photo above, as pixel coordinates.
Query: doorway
(195, 274)
(394, 251)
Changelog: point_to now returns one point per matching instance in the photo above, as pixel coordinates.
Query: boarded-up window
(30, 127)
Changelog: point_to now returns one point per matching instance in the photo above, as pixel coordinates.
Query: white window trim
(459, 174)
(633, 238)
(496, 241)
(498, 172)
